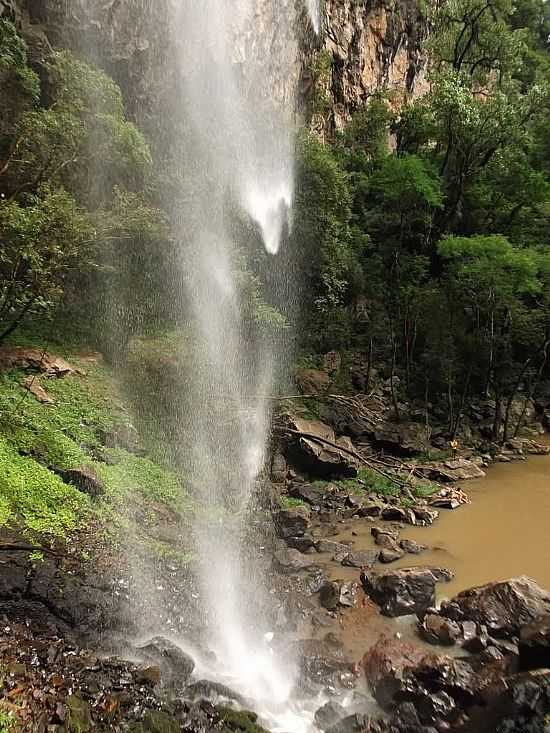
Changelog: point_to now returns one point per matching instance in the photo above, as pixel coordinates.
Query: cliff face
(366, 45)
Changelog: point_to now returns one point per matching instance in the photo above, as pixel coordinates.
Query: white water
(235, 69)
(314, 10)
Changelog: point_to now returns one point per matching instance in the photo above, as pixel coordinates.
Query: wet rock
(424, 515)
(385, 538)
(517, 704)
(411, 547)
(322, 662)
(149, 674)
(290, 560)
(329, 714)
(534, 645)
(315, 448)
(404, 437)
(360, 559)
(279, 468)
(389, 556)
(385, 665)
(302, 544)
(292, 522)
(348, 593)
(84, 478)
(312, 381)
(403, 591)
(173, 661)
(502, 607)
(356, 723)
(329, 595)
(306, 492)
(370, 509)
(394, 513)
(433, 709)
(437, 630)
(331, 547)
(212, 691)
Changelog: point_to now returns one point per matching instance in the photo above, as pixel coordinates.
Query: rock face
(405, 437)
(534, 645)
(371, 46)
(502, 607)
(316, 449)
(404, 591)
(385, 664)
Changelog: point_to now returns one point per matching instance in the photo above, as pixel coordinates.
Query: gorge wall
(366, 45)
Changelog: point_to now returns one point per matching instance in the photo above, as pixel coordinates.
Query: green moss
(239, 720)
(131, 474)
(156, 721)
(37, 498)
(7, 722)
(288, 502)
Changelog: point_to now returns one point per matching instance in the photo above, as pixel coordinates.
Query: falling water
(236, 67)
(314, 10)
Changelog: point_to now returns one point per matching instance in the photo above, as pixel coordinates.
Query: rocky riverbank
(80, 615)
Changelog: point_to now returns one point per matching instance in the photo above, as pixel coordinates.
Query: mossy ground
(70, 433)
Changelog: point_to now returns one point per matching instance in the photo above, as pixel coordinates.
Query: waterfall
(314, 10)
(236, 69)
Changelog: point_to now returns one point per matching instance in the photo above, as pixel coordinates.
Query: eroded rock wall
(367, 45)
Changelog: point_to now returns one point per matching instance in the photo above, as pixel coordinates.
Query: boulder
(438, 630)
(385, 538)
(517, 704)
(312, 381)
(534, 645)
(502, 607)
(406, 438)
(334, 548)
(424, 515)
(174, 663)
(306, 492)
(385, 664)
(292, 522)
(290, 560)
(329, 714)
(403, 591)
(315, 449)
(360, 559)
(453, 469)
(389, 556)
(356, 723)
(412, 547)
(329, 596)
(20, 357)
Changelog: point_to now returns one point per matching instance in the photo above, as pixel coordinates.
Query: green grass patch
(289, 502)
(369, 481)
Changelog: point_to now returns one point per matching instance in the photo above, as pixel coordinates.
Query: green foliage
(34, 496)
(289, 502)
(7, 722)
(137, 475)
(61, 207)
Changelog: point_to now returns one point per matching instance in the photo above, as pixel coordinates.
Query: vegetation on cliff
(432, 252)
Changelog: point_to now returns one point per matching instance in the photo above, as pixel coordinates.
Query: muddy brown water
(504, 532)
